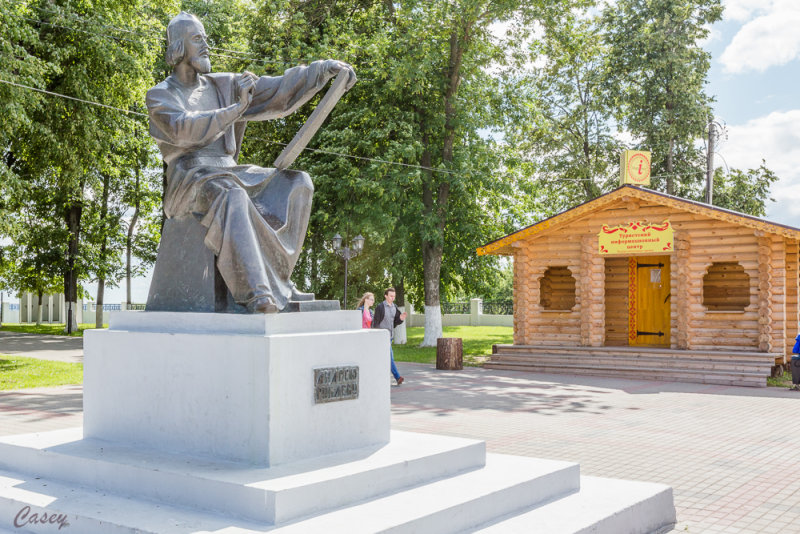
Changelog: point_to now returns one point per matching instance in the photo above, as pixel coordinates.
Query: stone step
(506, 485)
(92, 511)
(455, 504)
(643, 361)
(616, 366)
(603, 506)
(580, 351)
(698, 377)
(274, 495)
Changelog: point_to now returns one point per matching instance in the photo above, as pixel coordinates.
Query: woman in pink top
(364, 305)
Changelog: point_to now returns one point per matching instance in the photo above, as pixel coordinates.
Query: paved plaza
(45, 347)
(730, 453)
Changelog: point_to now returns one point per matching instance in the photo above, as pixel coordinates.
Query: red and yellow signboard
(634, 167)
(636, 238)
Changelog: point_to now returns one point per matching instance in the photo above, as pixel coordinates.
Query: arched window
(726, 287)
(557, 289)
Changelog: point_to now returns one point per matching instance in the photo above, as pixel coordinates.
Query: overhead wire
(237, 54)
(83, 101)
(137, 113)
(236, 57)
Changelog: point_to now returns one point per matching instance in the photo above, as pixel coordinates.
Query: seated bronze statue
(252, 219)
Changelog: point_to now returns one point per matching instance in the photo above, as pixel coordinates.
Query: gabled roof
(503, 245)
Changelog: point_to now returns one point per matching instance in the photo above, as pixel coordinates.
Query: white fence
(475, 317)
(54, 310)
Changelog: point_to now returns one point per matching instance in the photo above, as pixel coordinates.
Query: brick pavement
(728, 452)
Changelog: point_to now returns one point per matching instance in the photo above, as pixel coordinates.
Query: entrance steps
(642, 363)
(416, 483)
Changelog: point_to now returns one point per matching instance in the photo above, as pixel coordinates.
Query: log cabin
(641, 284)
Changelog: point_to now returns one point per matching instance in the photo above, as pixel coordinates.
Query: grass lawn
(784, 381)
(477, 340)
(54, 329)
(18, 372)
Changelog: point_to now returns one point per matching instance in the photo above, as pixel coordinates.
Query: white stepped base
(603, 506)
(417, 483)
(272, 495)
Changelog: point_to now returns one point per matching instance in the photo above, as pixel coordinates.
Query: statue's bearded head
(186, 41)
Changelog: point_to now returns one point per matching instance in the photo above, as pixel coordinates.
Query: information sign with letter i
(634, 167)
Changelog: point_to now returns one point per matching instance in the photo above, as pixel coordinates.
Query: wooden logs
(449, 353)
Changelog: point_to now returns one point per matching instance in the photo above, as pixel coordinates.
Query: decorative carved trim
(632, 299)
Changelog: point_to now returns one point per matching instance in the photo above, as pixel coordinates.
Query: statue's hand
(247, 86)
(337, 66)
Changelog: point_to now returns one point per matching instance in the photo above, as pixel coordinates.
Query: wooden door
(649, 300)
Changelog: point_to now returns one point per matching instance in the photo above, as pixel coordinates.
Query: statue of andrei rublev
(255, 218)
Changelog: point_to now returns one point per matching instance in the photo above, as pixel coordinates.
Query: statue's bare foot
(298, 295)
(262, 304)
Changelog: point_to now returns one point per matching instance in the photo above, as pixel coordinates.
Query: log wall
(616, 295)
(599, 316)
(533, 325)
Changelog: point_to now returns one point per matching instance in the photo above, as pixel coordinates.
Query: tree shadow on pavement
(482, 390)
(40, 405)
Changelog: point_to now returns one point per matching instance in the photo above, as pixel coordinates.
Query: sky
(754, 79)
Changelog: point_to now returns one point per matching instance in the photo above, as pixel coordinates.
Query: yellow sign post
(634, 167)
(636, 238)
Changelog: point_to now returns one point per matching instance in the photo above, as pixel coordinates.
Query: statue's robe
(256, 218)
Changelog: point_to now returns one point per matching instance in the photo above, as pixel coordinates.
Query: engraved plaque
(333, 384)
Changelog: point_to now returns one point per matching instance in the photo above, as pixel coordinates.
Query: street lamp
(347, 253)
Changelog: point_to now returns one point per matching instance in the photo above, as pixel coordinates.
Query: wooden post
(449, 353)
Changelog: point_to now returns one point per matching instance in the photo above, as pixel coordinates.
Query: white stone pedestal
(200, 422)
(234, 387)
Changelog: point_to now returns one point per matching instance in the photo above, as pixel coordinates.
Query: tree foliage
(470, 119)
(657, 74)
(745, 191)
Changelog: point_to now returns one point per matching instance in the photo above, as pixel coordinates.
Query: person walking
(795, 364)
(364, 306)
(388, 316)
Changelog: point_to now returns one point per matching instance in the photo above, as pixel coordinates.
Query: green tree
(65, 144)
(33, 259)
(562, 137)
(744, 191)
(657, 76)
(414, 105)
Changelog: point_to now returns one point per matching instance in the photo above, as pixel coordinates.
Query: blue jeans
(395, 373)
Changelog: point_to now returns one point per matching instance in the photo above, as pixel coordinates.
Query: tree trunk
(432, 268)
(400, 334)
(98, 314)
(73, 219)
(129, 241)
(436, 209)
(101, 278)
(449, 354)
(670, 167)
(39, 309)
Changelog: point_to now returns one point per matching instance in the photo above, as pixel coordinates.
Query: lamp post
(347, 253)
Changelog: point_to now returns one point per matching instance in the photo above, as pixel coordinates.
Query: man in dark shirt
(388, 316)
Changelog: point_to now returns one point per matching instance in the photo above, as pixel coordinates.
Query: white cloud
(742, 10)
(774, 138)
(771, 38)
